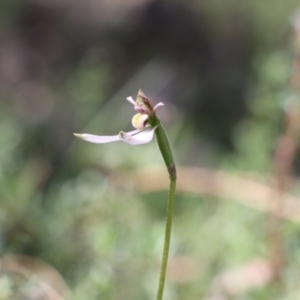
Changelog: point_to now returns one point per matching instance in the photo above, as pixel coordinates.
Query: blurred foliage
(67, 66)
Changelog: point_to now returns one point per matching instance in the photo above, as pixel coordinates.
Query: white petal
(142, 137)
(158, 105)
(133, 132)
(131, 100)
(97, 138)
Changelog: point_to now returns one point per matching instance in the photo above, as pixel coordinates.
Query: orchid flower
(146, 124)
(143, 121)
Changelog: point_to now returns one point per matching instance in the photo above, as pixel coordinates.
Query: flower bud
(139, 121)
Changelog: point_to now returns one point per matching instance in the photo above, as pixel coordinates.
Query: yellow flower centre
(139, 121)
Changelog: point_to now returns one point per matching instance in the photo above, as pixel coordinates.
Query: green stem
(167, 239)
(165, 149)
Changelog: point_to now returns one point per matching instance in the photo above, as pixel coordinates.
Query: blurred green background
(73, 218)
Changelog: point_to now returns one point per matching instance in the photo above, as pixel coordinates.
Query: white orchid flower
(147, 124)
(142, 121)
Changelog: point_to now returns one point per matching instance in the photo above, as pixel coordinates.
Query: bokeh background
(85, 221)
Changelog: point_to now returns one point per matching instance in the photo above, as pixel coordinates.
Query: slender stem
(167, 239)
(165, 149)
